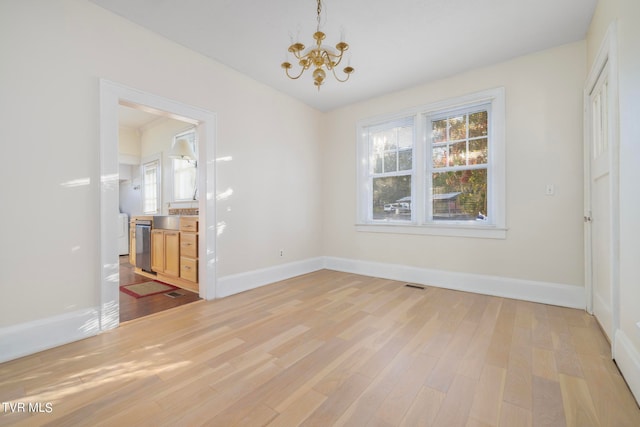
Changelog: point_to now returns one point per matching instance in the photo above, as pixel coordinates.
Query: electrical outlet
(281, 253)
(550, 189)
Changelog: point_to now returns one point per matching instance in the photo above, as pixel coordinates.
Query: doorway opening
(144, 139)
(113, 98)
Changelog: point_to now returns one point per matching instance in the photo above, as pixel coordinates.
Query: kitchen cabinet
(173, 248)
(188, 245)
(189, 224)
(189, 249)
(157, 250)
(172, 253)
(189, 269)
(132, 241)
(165, 252)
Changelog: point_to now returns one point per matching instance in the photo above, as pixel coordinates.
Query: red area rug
(145, 289)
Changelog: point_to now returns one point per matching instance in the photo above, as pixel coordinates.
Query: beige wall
(627, 15)
(543, 145)
(157, 140)
(53, 55)
(128, 142)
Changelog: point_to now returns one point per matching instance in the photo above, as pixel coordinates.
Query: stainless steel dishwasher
(143, 245)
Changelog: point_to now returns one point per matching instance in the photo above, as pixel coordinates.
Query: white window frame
(421, 223)
(397, 173)
(173, 166)
(155, 160)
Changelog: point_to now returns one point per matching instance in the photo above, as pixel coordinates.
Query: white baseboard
(34, 336)
(236, 283)
(628, 360)
(527, 290)
(543, 292)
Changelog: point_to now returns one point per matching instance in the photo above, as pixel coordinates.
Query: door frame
(112, 96)
(605, 61)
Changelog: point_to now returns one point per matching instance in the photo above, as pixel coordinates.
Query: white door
(600, 197)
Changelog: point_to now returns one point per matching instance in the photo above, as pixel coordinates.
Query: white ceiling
(136, 119)
(393, 44)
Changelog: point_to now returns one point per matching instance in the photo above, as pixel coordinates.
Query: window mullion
(427, 165)
(418, 171)
(466, 154)
(397, 150)
(461, 168)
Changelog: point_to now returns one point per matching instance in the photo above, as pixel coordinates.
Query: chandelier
(320, 56)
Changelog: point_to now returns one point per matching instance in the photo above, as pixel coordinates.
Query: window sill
(486, 231)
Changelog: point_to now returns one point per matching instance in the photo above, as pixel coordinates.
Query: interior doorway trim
(112, 95)
(606, 60)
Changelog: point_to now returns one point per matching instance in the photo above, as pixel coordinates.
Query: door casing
(112, 95)
(605, 62)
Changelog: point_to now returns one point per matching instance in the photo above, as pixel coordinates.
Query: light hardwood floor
(328, 349)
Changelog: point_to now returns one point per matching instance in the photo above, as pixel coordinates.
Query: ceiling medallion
(320, 56)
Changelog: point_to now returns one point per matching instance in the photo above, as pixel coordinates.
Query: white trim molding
(42, 334)
(528, 290)
(606, 60)
(112, 96)
(486, 232)
(236, 283)
(559, 294)
(28, 338)
(628, 361)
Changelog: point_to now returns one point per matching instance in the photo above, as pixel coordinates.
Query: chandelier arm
(296, 77)
(338, 55)
(338, 78)
(326, 59)
(339, 59)
(331, 60)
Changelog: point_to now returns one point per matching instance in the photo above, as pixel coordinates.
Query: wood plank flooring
(133, 308)
(332, 349)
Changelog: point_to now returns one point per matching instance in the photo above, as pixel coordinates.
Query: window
(436, 169)
(391, 167)
(458, 167)
(151, 186)
(185, 171)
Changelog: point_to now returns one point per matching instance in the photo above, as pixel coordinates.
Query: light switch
(550, 189)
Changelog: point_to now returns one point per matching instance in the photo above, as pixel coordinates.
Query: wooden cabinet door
(189, 245)
(157, 250)
(132, 243)
(189, 224)
(172, 253)
(189, 269)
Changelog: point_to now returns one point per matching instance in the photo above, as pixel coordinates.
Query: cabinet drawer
(189, 224)
(189, 245)
(189, 269)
